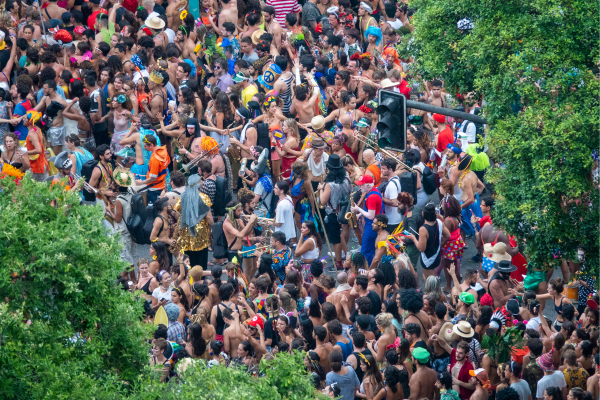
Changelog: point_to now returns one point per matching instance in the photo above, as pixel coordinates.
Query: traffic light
(391, 127)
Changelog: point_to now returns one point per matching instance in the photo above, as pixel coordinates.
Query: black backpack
(137, 219)
(408, 184)
(86, 173)
(262, 135)
(222, 197)
(429, 181)
(151, 214)
(219, 242)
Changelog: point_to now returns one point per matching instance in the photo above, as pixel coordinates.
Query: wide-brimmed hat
(154, 23)
(497, 252)
(317, 143)
(62, 160)
(317, 122)
(463, 329)
(505, 266)
(256, 36)
(387, 83)
(123, 177)
(447, 333)
(334, 162)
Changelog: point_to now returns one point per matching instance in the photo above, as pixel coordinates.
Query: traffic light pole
(446, 111)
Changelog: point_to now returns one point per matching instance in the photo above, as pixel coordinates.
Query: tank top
(457, 190)
(286, 96)
(346, 349)
(311, 254)
(433, 244)
(359, 372)
(38, 161)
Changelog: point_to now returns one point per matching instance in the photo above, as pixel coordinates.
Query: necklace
(462, 177)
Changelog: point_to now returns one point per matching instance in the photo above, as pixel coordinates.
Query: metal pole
(42, 19)
(446, 111)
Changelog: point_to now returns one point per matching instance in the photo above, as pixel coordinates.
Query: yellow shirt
(247, 94)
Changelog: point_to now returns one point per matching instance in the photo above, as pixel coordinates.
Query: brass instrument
(267, 249)
(187, 167)
(233, 150)
(350, 216)
(260, 220)
(385, 152)
(242, 173)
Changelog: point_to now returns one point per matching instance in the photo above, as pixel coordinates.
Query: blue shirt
(59, 90)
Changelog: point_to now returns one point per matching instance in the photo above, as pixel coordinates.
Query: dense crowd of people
(250, 132)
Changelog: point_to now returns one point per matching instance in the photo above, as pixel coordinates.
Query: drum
(573, 293)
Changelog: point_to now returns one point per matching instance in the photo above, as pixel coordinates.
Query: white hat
(154, 23)
(386, 83)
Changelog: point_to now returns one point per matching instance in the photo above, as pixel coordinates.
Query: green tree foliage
(58, 268)
(67, 331)
(534, 63)
(283, 377)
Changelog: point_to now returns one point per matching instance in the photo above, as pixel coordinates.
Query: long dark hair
(307, 333)
(196, 339)
(392, 377)
(336, 175)
(223, 105)
(312, 232)
(184, 300)
(162, 257)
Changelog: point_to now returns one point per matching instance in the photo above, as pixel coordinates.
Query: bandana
(465, 163)
(366, 7)
(135, 59)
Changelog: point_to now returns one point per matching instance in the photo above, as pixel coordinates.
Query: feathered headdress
(500, 318)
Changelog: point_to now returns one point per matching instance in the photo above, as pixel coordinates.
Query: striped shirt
(283, 8)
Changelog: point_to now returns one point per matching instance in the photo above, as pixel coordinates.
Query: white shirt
(469, 130)
(159, 294)
(170, 34)
(556, 379)
(137, 76)
(394, 24)
(534, 323)
(311, 254)
(391, 192)
(285, 216)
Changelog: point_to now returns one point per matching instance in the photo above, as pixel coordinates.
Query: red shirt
(463, 374)
(445, 138)
(374, 202)
(485, 220)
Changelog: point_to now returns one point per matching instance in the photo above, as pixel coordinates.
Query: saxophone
(233, 150)
(350, 216)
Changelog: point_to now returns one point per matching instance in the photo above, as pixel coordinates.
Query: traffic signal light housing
(391, 126)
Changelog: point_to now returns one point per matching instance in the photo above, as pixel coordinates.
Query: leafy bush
(534, 63)
(58, 268)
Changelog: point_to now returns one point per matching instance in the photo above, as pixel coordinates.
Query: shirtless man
(53, 11)
(499, 286)
(229, 13)
(466, 184)
(440, 322)
(273, 26)
(185, 44)
(173, 20)
(437, 94)
(422, 382)
(592, 382)
(248, 135)
(342, 290)
(365, 18)
(470, 276)
(101, 178)
(56, 133)
(237, 231)
(323, 347)
(231, 340)
(302, 104)
(478, 380)
(161, 226)
(48, 59)
(158, 102)
(218, 165)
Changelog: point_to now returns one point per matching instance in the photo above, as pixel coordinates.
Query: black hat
(512, 305)
(363, 321)
(505, 266)
(334, 162)
(244, 113)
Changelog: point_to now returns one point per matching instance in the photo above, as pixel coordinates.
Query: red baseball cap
(364, 179)
(257, 321)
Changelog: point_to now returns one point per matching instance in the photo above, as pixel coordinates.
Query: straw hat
(497, 252)
(256, 36)
(123, 177)
(387, 83)
(463, 329)
(447, 333)
(154, 23)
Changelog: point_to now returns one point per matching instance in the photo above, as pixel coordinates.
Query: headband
(178, 290)
(183, 28)
(361, 355)
(366, 7)
(161, 273)
(233, 208)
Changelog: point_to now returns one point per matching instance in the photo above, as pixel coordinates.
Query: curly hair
(245, 196)
(406, 279)
(451, 207)
(358, 260)
(300, 169)
(422, 138)
(485, 316)
(411, 300)
(389, 274)
(406, 199)
(223, 105)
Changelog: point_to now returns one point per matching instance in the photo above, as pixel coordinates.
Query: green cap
(420, 354)
(363, 123)
(467, 298)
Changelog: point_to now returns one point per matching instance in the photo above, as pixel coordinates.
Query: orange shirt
(157, 167)
(37, 161)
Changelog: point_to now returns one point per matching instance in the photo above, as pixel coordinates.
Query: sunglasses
(337, 77)
(217, 67)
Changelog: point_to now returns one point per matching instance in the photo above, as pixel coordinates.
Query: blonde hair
(196, 273)
(201, 316)
(385, 321)
(287, 303)
(293, 125)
